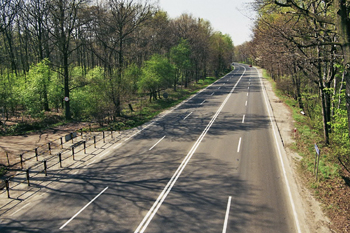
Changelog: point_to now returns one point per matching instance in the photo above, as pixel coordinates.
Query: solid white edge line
(104, 154)
(82, 209)
(188, 157)
(281, 159)
(239, 144)
(139, 131)
(243, 118)
(156, 205)
(227, 214)
(90, 163)
(157, 143)
(116, 146)
(20, 209)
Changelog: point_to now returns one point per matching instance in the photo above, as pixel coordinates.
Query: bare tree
(342, 7)
(64, 22)
(37, 15)
(119, 23)
(312, 33)
(8, 12)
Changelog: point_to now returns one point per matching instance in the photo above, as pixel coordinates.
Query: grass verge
(332, 188)
(144, 111)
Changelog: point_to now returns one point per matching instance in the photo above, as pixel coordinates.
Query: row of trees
(97, 55)
(304, 45)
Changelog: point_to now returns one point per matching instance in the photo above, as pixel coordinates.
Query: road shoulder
(312, 213)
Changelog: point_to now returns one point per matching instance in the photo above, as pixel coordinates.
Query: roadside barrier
(45, 167)
(36, 154)
(29, 161)
(21, 158)
(73, 152)
(28, 177)
(7, 156)
(60, 159)
(7, 187)
(43, 150)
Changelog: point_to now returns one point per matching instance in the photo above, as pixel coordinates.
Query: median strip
(150, 214)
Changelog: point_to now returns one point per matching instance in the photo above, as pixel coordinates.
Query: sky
(227, 16)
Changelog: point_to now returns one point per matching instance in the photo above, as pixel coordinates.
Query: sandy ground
(314, 216)
(16, 145)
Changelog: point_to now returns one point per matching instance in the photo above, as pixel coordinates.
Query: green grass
(308, 133)
(141, 115)
(149, 110)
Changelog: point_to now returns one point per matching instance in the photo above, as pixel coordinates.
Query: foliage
(101, 56)
(157, 73)
(9, 93)
(89, 101)
(131, 76)
(330, 171)
(223, 47)
(180, 55)
(38, 89)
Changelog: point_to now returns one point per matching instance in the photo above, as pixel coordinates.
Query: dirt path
(15, 145)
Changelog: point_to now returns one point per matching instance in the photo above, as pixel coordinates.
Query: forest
(304, 48)
(91, 61)
(98, 61)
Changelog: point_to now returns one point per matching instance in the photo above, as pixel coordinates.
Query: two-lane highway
(210, 165)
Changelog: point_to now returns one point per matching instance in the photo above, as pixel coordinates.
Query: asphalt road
(211, 165)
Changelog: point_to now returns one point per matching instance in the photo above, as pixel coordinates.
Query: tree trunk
(340, 89)
(45, 97)
(120, 71)
(159, 97)
(175, 81)
(343, 28)
(328, 102)
(324, 115)
(66, 85)
(10, 51)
